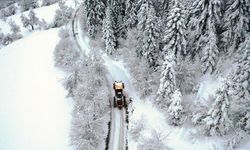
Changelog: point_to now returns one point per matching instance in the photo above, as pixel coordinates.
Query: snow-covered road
(34, 113)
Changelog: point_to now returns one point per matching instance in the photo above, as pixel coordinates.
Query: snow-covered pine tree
(145, 77)
(30, 21)
(63, 15)
(246, 125)
(118, 8)
(27, 4)
(240, 87)
(7, 39)
(203, 32)
(6, 3)
(48, 2)
(162, 7)
(142, 14)
(12, 9)
(3, 14)
(210, 50)
(174, 35)
(100, 11)
(108, 33)
(33, 20)
(243, 120)
(157, 141)
(66, 53)
(167, 82)
(150, 39)
(236, 24)
(131, 13)
(241, 76)
(235, 140)
(6, 12)
(24, 20)
(148, 34)
(14, 27)
(95, 13)
(136, 127)
(15, 35)
(43, 25)
(217, 122)
(176, 110)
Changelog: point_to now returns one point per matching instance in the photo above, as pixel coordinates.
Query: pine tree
(241, 76)
(217, 121)
(48, 2)
(27, 4)
(210, 50)
(95, 13)
(108, 33)
(33, 20)
(167, 82)
(174, 36)
(118, 8)
(236, 24)
(131, 14)
(148, 34)
(234, 141)
(247, 121)
(151, 37)
(24, 20)
(9, 11)
(30, 21)
(63, 14)
(176, 110)
(203, 28)
(12, 9)
(243, 122)
(14, 27)
(66, 53)
(141, 27)
(240, 87)
(155, 142)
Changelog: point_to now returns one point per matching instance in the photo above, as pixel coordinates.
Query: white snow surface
(34, 113)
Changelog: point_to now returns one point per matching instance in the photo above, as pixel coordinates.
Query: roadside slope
(34, 113)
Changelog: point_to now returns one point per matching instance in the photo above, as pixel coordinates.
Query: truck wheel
(124, 101)
(114, 102)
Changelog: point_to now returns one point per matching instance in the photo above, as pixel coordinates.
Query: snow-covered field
(34, 113)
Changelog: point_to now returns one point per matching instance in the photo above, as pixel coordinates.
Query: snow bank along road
(117, 72)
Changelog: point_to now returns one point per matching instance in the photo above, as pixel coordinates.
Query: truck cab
(119, 98)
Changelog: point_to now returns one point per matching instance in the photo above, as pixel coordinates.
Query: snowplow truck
(119, 98)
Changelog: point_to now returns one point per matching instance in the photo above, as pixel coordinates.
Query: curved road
(117, 131)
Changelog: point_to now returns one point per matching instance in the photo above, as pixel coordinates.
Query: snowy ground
(34, 114)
